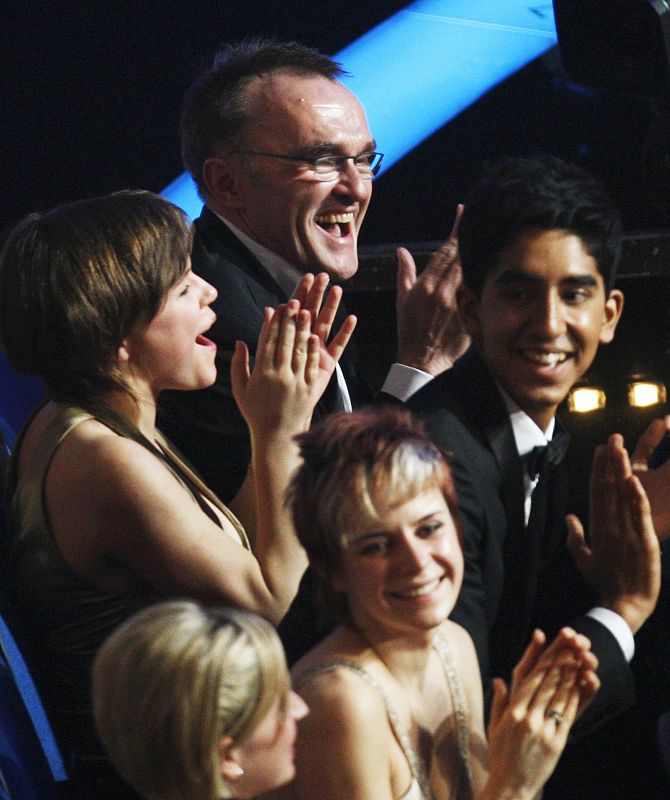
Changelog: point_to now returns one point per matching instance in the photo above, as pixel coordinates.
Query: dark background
(93, 91)
(91, 104)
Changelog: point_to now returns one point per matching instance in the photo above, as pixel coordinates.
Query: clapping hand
(291, 370)
(531, 720)
(621, 560)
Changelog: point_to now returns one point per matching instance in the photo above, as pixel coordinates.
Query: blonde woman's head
(193, 703)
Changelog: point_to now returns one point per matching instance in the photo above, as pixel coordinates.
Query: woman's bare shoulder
(459, 641)
(335, 676)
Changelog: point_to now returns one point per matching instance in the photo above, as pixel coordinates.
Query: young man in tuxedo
(539, 244)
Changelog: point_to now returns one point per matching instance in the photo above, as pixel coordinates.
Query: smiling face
(403, 573)
(312, 224)
(268, 755)
(171, 352)
(540, 319)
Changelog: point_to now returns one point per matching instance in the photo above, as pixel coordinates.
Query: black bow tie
(541, 460)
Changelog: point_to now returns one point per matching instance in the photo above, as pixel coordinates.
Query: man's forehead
(292, 98)
(553, 255)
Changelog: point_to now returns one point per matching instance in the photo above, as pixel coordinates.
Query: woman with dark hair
(396, 685)
(98, 300)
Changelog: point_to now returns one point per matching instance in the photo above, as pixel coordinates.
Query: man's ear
(611, 316)
(228, 761)
(469, 308)
(222, 179)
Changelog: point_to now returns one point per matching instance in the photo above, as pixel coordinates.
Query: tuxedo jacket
(514, 580)
(206, 425)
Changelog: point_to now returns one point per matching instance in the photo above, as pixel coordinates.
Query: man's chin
(339, 269)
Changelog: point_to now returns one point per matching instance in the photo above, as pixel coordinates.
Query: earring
(236, 771)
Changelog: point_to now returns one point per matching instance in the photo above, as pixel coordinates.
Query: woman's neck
(139, 408)
(404, 655)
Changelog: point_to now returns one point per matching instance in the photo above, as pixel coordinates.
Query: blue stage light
(424, 65)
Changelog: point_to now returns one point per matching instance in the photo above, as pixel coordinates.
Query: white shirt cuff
(618, 627)
(344, 390)
(402, 381)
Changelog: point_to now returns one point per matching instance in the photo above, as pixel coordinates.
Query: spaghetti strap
(463, 783)
(416, 765)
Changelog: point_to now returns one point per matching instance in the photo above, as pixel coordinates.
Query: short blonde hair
(353, 467)
(171, 682)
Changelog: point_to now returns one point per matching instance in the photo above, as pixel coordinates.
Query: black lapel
(218, 241)
(521, 553)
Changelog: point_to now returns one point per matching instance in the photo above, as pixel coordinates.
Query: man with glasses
(282, 154)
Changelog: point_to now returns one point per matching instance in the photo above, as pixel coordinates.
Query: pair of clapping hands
(294, 358)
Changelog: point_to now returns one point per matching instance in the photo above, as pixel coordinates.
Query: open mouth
(418, 591)
(203, 341)
(338, 225)
(544, 359)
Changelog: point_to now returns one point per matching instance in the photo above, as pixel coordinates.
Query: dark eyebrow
(518, 276)
(373, 534)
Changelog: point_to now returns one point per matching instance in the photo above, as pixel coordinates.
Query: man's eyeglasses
(329, 168)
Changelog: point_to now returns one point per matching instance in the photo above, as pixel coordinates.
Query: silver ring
(552, 713)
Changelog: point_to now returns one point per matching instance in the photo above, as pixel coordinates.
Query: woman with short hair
(98, 299)
(397, 684)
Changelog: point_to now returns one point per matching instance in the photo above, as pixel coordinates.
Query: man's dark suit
(206, 425)
(513, 582)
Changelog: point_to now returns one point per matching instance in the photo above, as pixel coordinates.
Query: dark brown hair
(76, 280)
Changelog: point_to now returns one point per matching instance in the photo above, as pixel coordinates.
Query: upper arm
(343, 743)
(112, 502)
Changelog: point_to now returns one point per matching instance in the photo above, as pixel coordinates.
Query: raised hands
(621, 561)
(292, 367)
(294, 361)
(310, 293)
(530, 721)
(430, 334)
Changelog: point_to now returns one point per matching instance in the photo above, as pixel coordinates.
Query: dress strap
(69, 416)
(464, 785)
(416, 765)
(197, 487)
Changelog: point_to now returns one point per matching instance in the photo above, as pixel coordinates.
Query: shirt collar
(285, 274)
(527, 434)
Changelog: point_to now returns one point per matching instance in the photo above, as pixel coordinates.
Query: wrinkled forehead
(303, 111)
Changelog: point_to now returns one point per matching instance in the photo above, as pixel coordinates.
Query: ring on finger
(556, 715)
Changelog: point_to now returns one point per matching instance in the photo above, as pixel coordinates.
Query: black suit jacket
(206, 425)
(513, 582)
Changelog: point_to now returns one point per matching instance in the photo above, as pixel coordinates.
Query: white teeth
(421, 590)
(548, 359)
(332, 219)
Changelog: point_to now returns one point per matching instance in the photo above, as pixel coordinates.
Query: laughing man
(282, 154)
